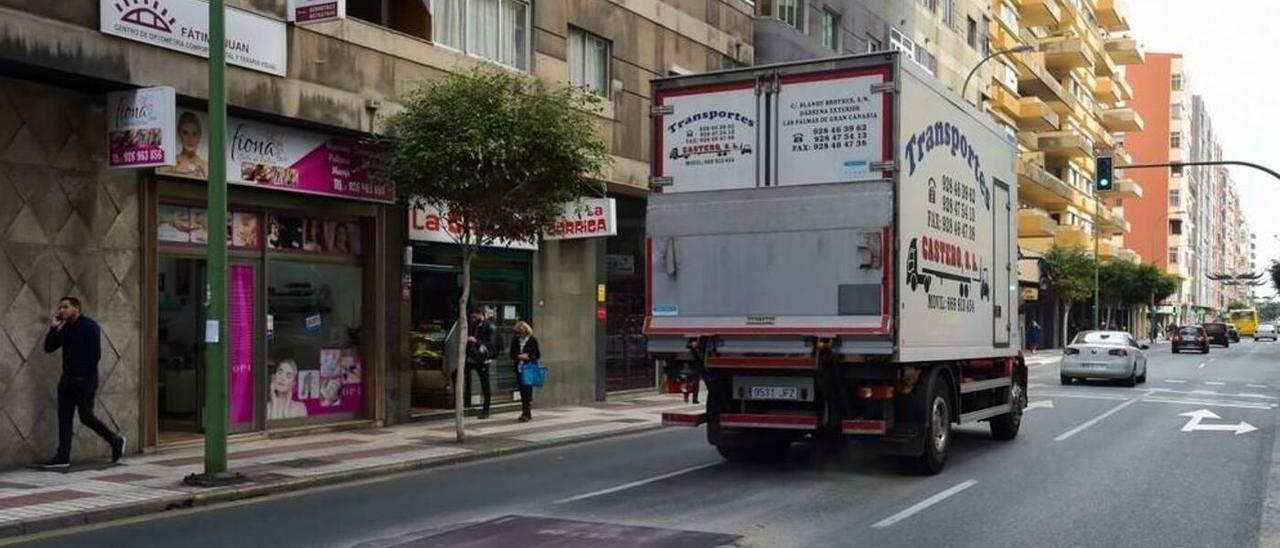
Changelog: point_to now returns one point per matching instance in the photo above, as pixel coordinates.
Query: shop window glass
(314, 324)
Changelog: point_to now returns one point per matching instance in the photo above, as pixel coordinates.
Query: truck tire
(1005, 427)
(937, 425)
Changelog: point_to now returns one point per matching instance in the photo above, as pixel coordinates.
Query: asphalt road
(1095, 465)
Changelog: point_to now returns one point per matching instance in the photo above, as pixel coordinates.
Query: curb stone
(9, 533)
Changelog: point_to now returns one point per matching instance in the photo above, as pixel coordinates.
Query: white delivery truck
(834, 244)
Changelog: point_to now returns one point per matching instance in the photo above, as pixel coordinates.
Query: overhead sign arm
(1268, 170)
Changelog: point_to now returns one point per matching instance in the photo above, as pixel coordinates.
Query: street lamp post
(964, 90)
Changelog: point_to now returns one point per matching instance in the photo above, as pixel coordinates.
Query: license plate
(772, 393)
(1095, 365)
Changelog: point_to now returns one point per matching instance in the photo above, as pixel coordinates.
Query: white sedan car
(1113, 355)
(1265, 331)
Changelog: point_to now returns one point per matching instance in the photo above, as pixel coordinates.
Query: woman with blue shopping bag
(530, 373)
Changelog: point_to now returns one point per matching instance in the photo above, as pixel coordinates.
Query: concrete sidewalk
(33, 501)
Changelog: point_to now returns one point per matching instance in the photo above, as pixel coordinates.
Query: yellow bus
(1245, 320)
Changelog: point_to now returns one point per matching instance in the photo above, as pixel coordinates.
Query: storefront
(626, 357)
(304, 310)
(559, 302)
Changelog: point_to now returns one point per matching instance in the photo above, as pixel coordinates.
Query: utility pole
(215, 351)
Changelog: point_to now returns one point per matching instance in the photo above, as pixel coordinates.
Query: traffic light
(1102, 169)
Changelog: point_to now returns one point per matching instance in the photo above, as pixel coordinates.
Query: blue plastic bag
(533, 374)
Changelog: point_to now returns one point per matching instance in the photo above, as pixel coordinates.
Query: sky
(1229, 48)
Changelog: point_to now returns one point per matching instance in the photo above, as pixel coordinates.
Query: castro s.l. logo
(146, 13)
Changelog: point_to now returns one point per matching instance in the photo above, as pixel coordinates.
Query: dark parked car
(1233, 333)
(1190, 337)
(1217, 333)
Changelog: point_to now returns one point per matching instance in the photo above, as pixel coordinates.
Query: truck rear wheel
(1005, 427)
(937, 426)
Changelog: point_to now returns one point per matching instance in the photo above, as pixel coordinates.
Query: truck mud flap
(684, 419)
(780, 422)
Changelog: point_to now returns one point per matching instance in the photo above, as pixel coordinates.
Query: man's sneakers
(55, 464)
(117, 449)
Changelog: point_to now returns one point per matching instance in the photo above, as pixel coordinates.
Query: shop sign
(281, 158)
(252, 41)
(140, 127)
(586, 218)
(427, 223)
(1030, 294)
(314, 11)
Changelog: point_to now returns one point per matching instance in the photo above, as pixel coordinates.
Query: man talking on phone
(81, 342)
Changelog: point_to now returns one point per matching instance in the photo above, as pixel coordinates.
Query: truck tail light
(875, 392)
(1119, 352)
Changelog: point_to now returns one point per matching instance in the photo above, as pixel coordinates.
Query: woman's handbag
(533, 374)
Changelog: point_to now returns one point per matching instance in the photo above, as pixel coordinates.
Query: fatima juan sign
(253, 42)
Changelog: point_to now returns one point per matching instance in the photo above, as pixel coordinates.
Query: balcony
(1122, 119)
(1125, 51)
(1112, 90)
(1035, 223)
(1073, 236)
(1122, 156)
(1040, 188)
(1113, 223)
(1104, 65)
(1033, 79)
(1034, 114)
(1002, 102)
(1065, 53)
(1108, 250)
(1065, 145)
(1112, 15)
(1125, 189)
(1040, 13)
(1001, 38)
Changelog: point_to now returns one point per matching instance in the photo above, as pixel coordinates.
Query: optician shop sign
(586, 218)
(253, 42)
(140, 128)
(281, 158)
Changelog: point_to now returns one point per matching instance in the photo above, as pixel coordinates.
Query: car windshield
(1100, 337)
(1267, 328)
(1215, 328)
(1189, 331)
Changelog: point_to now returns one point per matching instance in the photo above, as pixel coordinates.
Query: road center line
(1097, 419)
(1256, 385)
(637, 483)
(919, 506)
(1177, 381)
(1201, 366)
(1215, 383)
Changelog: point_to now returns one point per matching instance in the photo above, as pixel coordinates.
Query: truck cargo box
(852, 198)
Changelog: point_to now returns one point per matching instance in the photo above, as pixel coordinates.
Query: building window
(926, 59)
(1176, 81)
(902, 43)
(986, 35)
(1175, 198)
(873, 44)
(1175, 227)
(1009, 14)
(1175, 139)
(971, 34)
(589, 61)
(1176, 171)
(497, 30)
(949, 14)
(1175, 111)
(830, 30)
(791, 12)
(1173, 255)
(931, 5)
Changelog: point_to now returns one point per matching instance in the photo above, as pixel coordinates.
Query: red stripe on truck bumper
(785, 422)
(761, 363)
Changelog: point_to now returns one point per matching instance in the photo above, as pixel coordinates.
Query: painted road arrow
(1194, 424)
(1048, 404)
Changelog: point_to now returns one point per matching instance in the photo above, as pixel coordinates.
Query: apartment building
(346, 273)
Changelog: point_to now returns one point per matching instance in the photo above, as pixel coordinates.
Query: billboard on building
(140, 128)
(252, 41)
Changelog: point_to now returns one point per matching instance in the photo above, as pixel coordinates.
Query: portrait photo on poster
(193, 150)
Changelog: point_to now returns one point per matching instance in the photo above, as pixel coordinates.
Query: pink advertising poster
(337, 385)
(240, 330)
(140, 127)
(281, 158)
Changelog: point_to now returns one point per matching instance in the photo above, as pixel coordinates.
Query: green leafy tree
(1116, 286)
(1236, 304)
(1071, 272)
(1274, 270)
(501, 153)
(1151, 286)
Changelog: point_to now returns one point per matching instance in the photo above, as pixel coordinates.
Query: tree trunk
(1066, 315)
(460, 357)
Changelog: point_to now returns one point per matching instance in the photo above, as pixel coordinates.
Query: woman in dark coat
(524, 349)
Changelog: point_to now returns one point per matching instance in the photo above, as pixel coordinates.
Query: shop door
(506, 294)
(180, 353)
